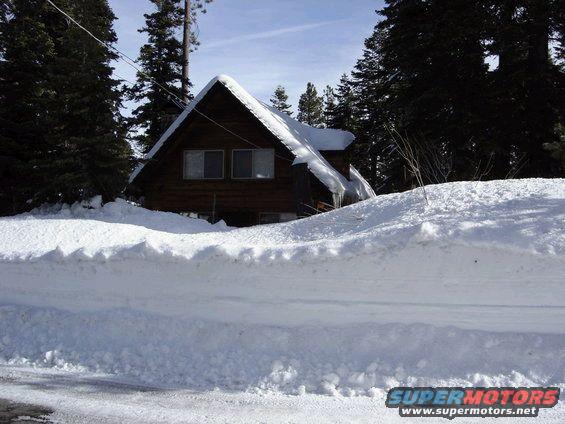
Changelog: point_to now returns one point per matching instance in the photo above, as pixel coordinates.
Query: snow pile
(524, 216)
(122, 212)
(357, 360)
(85, 230)
(467, 289)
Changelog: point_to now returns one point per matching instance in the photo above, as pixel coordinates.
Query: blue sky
(265, 43)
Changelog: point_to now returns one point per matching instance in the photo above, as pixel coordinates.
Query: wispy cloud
(268, 34)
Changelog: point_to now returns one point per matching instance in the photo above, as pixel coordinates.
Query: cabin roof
(302, 140)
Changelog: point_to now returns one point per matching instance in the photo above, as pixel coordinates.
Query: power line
(178, 101)
(218, 124)
(175, 99)
(236, 135)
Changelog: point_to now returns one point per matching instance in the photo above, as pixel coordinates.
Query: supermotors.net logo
(453, 402)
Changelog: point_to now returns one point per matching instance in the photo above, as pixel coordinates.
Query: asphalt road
(11, 412)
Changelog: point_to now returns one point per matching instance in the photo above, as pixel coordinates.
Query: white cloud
(267, 34)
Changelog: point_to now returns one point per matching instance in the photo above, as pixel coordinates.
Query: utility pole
(186, 51)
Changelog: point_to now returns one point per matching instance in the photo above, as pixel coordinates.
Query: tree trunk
(186, 51)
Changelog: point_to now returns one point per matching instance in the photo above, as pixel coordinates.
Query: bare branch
(408, 153)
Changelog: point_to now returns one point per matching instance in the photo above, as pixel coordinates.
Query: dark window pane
(242, 164)
(213, 164)
(193, 164)
(264, 163)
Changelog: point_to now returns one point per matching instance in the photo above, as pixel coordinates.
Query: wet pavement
(13, 412)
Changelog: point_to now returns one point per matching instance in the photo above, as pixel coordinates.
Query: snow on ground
(101, 399)
(477, 249)
(345, 360)
(525, 215)
(466, 290)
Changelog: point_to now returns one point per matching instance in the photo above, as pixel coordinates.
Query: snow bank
(386, 291)
(201, 355)
(522, 216)
(90, 231)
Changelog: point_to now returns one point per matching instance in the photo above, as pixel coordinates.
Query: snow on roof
(302, 140)
(319, 138)
(363, 188)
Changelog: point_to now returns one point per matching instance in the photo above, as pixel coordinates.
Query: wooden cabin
(230, 157)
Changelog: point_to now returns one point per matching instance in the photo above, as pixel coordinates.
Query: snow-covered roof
(364, 189)
(304, 141)
(319, 138)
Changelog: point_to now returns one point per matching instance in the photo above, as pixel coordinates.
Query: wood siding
(238, 202)
(339, 159)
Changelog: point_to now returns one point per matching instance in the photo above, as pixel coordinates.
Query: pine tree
(310, 107)
(375, 154)
(541, 104)
(89, 154)
(329, 105)
(62, 136)
(434, 55)
(423, 77)
(161, 61)
(557, 147)
(343, 115)
(25, 50)
(279, 100)
(527, 87)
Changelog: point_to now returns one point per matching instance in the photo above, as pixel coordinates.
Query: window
(203, 164)
(253, 163)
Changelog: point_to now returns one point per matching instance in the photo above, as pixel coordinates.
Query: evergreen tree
(375, 154)
(62, 139)
(527, 86)
(434, 57)
(506, 91)
(279, 100)
(557, 147)
(543, 94)
(343, 115)
(161, 62)
(25, 49)
(329, 105)
(423, 78)
(310, 107)
(89, 154)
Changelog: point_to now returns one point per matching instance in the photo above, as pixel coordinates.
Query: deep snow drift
(521, 215)
(467, 290)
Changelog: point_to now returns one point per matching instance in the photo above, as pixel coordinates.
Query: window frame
(252, 159)
(186, 178)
